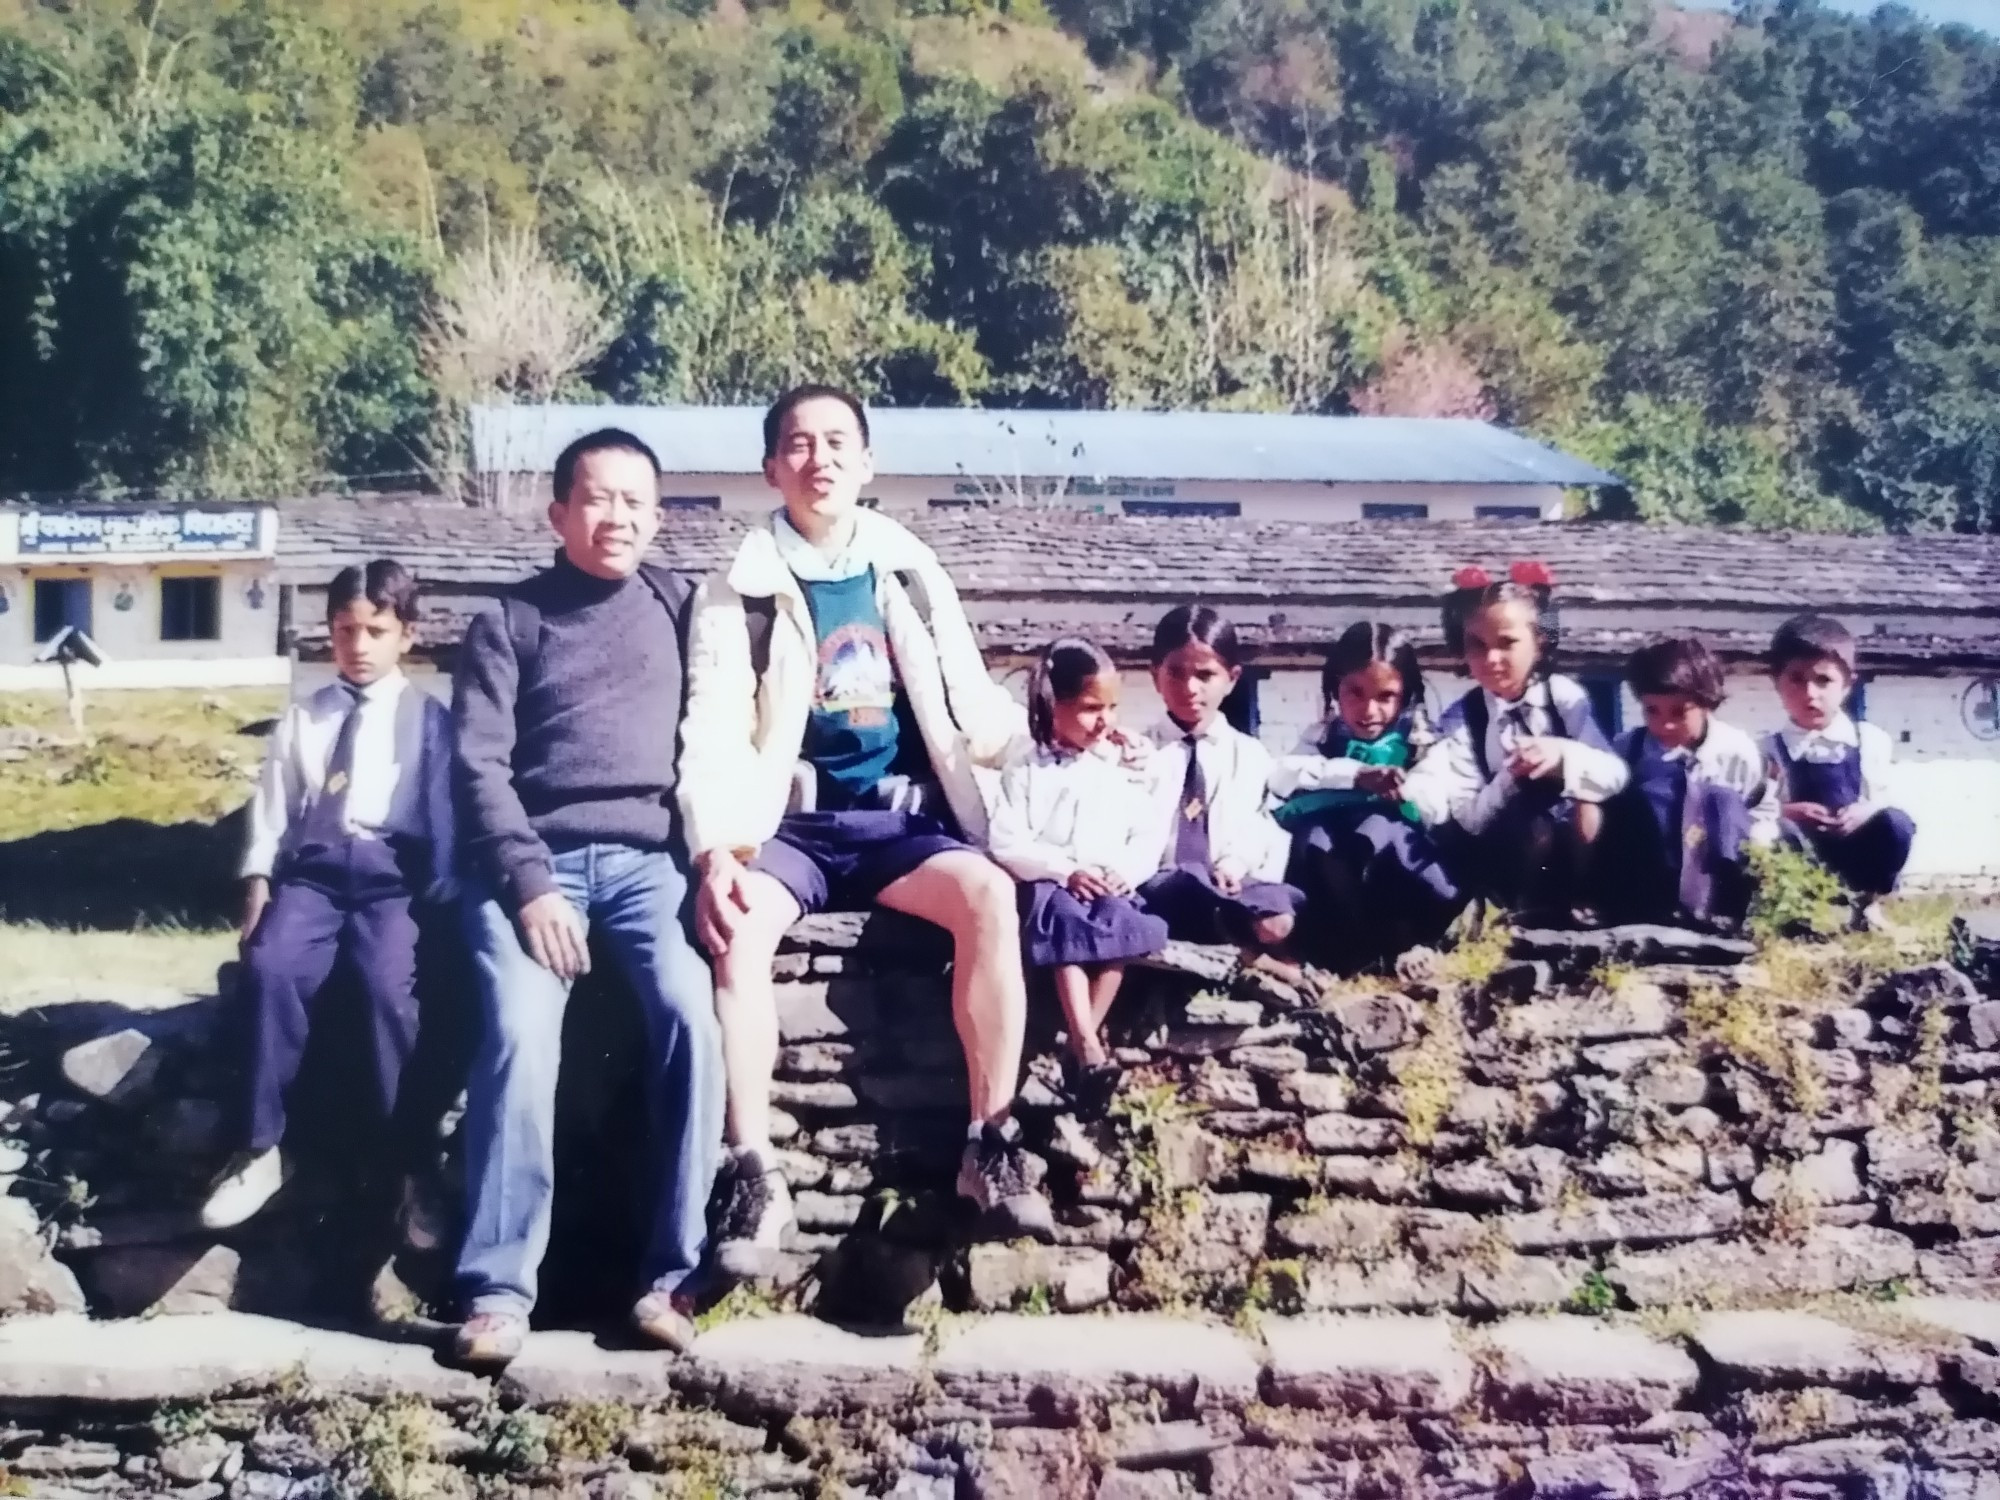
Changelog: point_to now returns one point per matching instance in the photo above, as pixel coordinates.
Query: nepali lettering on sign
(86, 533)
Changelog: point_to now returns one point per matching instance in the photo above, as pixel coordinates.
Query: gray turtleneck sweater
(575, 744)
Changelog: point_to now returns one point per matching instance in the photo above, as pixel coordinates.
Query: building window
(691, 502)
(1507, 512)
(1383, 511)
(956, 503)
(1218, 508)
(60, 602)
(190, 609)
(871, 502)
(1607, 702)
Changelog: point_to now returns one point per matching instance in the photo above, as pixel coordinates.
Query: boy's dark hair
(384, 583)
(1365, 642)
(1526, 583)
(1198, 624)
(798, 395)
(1681, 666)
(604, 440)
(1059, 676)
(1812, 637)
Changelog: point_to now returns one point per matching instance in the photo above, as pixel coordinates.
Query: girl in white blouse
(1074, 826)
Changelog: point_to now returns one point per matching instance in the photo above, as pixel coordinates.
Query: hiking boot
(489, 1340)
(757, 1222)
(666, 1319)
(999, 1178)
(242, 1188)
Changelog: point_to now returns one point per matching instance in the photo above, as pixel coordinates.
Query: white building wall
(244, 654)
(905, 495)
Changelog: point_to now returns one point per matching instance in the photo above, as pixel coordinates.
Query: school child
(1515, 783)
(1373, 882)
(1220, 856)
(350, 836)
(1832, 773)
(1072, 825)
(1676, 841)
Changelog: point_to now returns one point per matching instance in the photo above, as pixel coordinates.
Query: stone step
(1551, 1368)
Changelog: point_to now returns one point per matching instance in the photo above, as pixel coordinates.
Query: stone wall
(1564, 1214)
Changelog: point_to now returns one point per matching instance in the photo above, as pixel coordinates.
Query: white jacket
(1060, 812)
(740, 738)
(1447, 784)
(1237, 771)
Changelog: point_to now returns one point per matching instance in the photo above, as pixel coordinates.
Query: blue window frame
(60, 602)
(1221, 508)
(692, 502)
(1507, 512)
(1384, 511)
(1607, 701)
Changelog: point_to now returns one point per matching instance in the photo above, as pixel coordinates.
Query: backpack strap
(919, 592)
(760, 618)
(1477, 722)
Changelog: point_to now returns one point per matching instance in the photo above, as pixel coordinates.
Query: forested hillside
(252, 245)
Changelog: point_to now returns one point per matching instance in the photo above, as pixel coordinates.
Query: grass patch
(36, 960)
(161, 757)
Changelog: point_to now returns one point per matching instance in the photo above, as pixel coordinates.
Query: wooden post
(73, 695)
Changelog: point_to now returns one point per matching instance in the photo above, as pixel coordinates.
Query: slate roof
(1051, 555)
(1000, 445)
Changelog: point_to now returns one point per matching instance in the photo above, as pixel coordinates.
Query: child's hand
(1090, 885)
(1229, 877)
(1848, 819)
(1133, 752)
(256, 896)
(1807, 814)
(1536, 759)
(1381, 781)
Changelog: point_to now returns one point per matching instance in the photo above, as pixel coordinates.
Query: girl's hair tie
(1532, 573)
(1472, 577)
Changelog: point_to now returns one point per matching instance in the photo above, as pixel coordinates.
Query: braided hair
(1362, 643)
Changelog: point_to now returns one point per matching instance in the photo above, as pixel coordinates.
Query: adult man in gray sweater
(567, 709)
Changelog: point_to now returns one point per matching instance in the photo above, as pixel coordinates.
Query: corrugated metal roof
(1003, 445)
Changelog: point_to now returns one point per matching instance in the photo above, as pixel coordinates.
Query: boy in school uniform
(1832, 772)
(350, 838)
(567, 708)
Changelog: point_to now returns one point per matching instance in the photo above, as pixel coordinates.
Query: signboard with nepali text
(158, 532)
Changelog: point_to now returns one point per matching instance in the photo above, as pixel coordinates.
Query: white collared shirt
(1726, 756)
(1448, 784)
(401, 775)
(1060, 811)
(1830, 746)
(1236, 770)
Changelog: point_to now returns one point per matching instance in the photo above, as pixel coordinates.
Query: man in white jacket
(832, 655)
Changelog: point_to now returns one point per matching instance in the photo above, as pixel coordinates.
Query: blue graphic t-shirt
(858, 723)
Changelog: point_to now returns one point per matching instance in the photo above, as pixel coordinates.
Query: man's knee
(985, 897)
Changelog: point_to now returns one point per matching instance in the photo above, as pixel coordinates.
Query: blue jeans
(636, 902)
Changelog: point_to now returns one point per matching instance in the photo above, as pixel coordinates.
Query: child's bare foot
(1419, 966)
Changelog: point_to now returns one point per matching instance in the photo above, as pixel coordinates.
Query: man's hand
(1381, 781)
(721, 901)
(556, 935)
(1536, 759)
(1229, 877)
(256, 896)
(1807, 814)
(1089, 885)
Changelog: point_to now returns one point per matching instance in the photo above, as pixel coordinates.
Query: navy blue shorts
(841, 861)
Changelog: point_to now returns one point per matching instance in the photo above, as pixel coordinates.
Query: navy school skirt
(1196, 912)
(1056, 928)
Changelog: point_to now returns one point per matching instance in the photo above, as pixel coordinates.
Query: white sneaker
(757, 1221)
(250, 1181)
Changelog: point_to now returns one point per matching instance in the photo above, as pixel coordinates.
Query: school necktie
(1191, 823)
(326, 822)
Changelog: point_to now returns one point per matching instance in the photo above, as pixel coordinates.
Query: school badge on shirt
(336, 783)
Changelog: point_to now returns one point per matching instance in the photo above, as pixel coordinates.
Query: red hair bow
(1532, 573)
(1474, 577)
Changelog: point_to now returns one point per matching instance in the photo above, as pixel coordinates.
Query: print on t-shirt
(856, 677)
